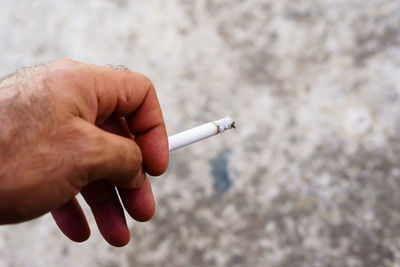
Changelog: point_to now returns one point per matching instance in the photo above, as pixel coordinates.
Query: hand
(70, 128)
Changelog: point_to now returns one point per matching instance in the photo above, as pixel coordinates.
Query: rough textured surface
(311, 177)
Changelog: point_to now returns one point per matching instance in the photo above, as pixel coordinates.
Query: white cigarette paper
(199, 133)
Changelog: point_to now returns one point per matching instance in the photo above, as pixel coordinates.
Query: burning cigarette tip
(224, 124)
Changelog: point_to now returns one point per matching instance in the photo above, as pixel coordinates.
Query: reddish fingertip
(71, 221)
(155, 152)
(112, 224)
(139, 202)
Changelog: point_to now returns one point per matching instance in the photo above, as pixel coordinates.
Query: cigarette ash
(224, 124)
(222, 181)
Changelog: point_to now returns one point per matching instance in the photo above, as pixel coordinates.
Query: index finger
(121, 93)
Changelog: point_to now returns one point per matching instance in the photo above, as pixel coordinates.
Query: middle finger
(102, 199)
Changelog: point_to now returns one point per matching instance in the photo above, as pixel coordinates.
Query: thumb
(109, 156)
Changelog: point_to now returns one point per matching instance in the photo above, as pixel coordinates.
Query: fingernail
(140, 178)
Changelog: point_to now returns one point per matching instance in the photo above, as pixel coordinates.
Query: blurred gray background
(311, 177)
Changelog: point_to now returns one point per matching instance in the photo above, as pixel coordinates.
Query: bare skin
(70, 128)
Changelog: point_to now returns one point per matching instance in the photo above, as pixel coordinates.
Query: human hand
(70, 128)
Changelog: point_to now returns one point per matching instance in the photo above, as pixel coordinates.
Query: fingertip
(155, 154)
(80, 237)
(112, 225)
(71, 221)
(146, 214)
(108, 212)
(139, 202)
(118, 238)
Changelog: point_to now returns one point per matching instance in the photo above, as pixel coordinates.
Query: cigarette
(199, 133)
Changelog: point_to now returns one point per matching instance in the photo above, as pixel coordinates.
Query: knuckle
(67, 62)
(63, 69)
(147, 83)
(59, 74)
